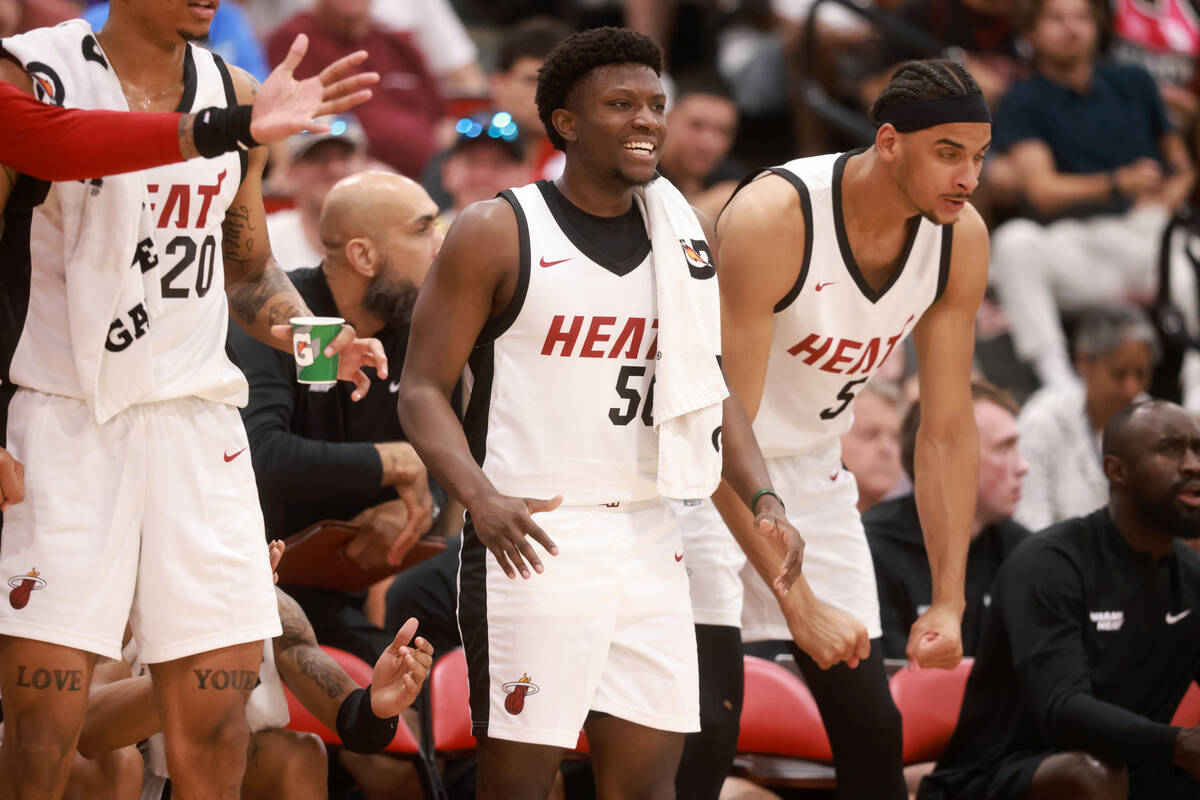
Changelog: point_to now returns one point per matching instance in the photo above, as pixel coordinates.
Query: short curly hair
(579, 54)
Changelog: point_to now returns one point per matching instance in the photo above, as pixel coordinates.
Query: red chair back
(929, 701)
(779, 715)
(360, 672)
(1188, 713)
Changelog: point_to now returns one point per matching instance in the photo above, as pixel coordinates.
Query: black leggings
(860, 719)
(708, 755)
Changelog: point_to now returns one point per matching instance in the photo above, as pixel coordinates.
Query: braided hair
(914, 81)
(579, 54)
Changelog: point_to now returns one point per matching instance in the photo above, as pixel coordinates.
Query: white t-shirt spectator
(289, 244)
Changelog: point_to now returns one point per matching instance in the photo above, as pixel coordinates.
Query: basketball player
(63, 144)
(827, 264)
(120, 403)
(533, 291)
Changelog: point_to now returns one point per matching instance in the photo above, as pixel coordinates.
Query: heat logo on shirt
(626, 337)
(842, 352)
(1108, 620)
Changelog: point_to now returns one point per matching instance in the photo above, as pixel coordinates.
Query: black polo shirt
(903, 578)
(1088, 645)
(312, 447)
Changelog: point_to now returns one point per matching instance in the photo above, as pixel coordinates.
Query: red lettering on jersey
(867, 359)
(652, 350)
(594, 336)
(557, 334)
(893, 339)
(634, 328)
(843, 345)
(152, 189)
(806, 346)
(178, 197)
(208, 192)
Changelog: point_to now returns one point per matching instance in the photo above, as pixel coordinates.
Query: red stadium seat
(452, 712)
(929, 701)
(1188, 713)
(782, 740)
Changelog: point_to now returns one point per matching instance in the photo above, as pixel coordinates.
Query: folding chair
(782, 740)
(929, 701)
(404, 745)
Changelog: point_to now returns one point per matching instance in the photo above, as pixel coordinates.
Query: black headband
(909, 117)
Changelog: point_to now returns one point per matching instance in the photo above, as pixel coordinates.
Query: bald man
(1092, 638)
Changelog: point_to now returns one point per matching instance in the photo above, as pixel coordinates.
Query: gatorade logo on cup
(302, 349)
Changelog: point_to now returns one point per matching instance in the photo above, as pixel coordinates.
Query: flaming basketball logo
(517, 692)
(22, 588)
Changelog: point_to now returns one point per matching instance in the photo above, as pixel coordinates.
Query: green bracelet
(760, 493)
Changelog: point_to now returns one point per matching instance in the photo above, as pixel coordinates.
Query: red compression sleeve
(63, 144)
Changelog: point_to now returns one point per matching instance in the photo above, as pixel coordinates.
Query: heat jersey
(188, 202)
(833, 331)
(561, 383)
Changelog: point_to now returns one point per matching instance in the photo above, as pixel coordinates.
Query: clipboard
(315, 557)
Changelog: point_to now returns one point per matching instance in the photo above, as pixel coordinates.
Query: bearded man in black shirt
(1092, 639)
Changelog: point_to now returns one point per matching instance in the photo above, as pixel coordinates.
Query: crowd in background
(1093, 298)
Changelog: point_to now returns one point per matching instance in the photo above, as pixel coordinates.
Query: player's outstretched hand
(505, 525)
(935, 639)
(400, 671)
(772, 523)
(285, 106)
(12, 480)
(354, 354)
(828, 635)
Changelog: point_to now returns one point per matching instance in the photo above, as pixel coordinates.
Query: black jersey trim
(839, 227)
(473, 623)
(16, 268)
(806, 211)
(944, 262)
(498, 325)
(189, 82)
(475, 419)
(619, 267)
(231, 100)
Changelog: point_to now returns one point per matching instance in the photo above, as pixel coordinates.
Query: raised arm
(63, 144)
(757, 267)
(946, 462)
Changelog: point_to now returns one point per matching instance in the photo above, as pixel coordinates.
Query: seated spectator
(1061, 427)
(898, 544)
(231, 36)
(871, 448)
(1092, 147)
(1090, 641)
(703, 123)
(315, 163)
(437, 30)
(480, 165)
(401, 117)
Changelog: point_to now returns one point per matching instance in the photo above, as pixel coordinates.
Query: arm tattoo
(322, 670)
(237, 240)
(187, 143)
(272, 290)
(297, 630)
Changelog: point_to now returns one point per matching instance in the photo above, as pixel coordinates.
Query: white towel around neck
(689, 386)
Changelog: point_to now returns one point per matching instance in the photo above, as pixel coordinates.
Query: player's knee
(41, 749)
(305, 761)
(220, 733)
(1080, 776)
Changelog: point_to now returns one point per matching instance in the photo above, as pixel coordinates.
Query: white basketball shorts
(152, 517)
(714, 561)
(607, 627)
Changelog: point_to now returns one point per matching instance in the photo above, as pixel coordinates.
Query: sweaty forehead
(973, 136)
(634, 77)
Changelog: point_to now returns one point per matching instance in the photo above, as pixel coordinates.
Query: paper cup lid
(316, 320)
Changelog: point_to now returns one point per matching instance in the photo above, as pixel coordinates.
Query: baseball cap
(342, 127)
(489, 127)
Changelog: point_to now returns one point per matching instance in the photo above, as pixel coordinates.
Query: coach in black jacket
(897, 543)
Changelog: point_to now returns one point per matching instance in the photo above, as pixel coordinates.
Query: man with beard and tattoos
(314, 456)
(1092, 639)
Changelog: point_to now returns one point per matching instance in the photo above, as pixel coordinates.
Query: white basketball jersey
(833, 331)
(188, 203)
(561, 384)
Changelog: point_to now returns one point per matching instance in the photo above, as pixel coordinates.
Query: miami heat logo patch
(699, 258)
(517, 692)
(22, 587)
(47, 86)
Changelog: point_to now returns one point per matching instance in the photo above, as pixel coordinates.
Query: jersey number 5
(845, 395)
(632, 398)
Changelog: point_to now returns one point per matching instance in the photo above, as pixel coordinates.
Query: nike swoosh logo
(394, 387)
(229, 458)
(835, 474)
(679, 556)
(821, 286)
(546, 263)
(1173, 618)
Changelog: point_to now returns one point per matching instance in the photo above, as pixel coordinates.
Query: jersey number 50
(632, 398)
